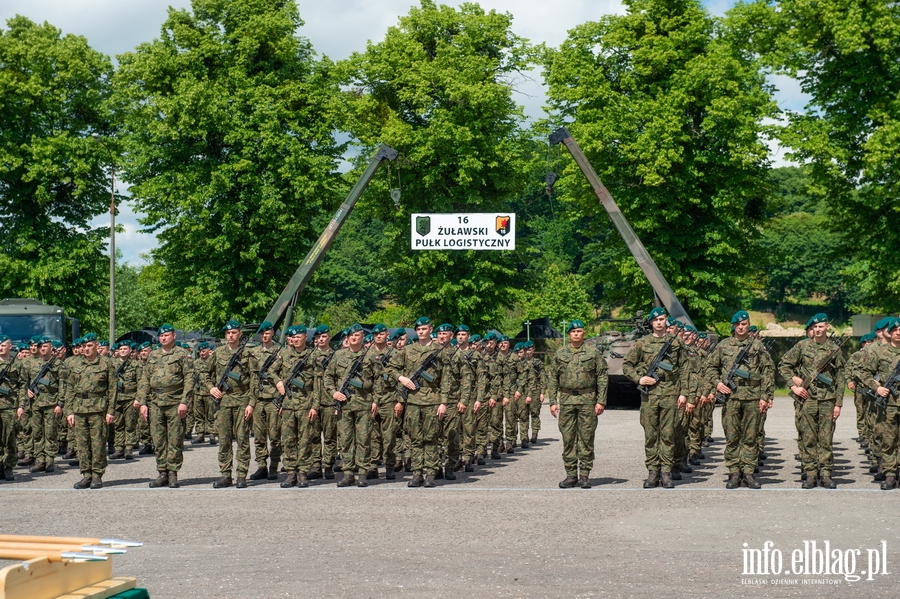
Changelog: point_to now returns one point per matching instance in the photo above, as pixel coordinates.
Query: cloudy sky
(336, 29)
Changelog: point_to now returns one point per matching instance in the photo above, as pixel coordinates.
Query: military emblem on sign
(423, 225)
(502, 225)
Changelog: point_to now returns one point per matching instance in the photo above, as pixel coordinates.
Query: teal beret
(322, 329)
(433, 334)
(56, 344)
(740, 316)
(203, 345)
(475, 338)
(502, 338)
(397, 334)
(490, 336)
(4, 338)
(895, 322)
(656, 312)
(89, 337)
(354, 328)
(378, 328)
(867, 338)
(35, 339)
(453, 342)
(881, 324)
(143, 345)
(444, 328)
(231, 325)
(816, 319)
(753, 328)
(528, 344)
(165, 328)
(369, 338)
(103, 343)
(132, 344)
(422, 321)
(703, 335)
(518, 346)
(575, 324)
(462, 327)
(690, 329)
(265, 326)
(297, 329)
(43, 339)
(23, 346)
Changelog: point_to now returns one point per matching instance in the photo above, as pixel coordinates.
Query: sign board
(478, 231)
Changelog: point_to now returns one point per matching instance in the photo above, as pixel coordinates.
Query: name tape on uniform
(477, 231)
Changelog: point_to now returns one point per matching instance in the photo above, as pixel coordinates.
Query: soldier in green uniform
(699, 390)
(384, 425)
(425, 401)
(46, 405)
(451, 425)
(91, 405)
(576, 385)
(299, 408)
(662, 396)
(236, 403)
(324, 439)
(874, 371)
(683, 414)
(11, 385)
(768, 395)
(744, 404)
(521, 396)
(27, 356)
(854, 382)
(819, 404)
(494, 423)
(537, 392)
(472, 376)
(352, 390)
(142, 426)
(874, 413)
(203, 406)
(125, 426)
(165, 392)
(266, 422)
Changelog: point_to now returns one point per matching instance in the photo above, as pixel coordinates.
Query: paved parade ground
(505, 530)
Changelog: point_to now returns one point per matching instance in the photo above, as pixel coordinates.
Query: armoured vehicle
(21, 319)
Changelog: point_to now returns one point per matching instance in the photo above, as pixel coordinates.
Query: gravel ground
(505, 530)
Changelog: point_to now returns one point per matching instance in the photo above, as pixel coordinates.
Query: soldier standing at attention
(745, 405)
(142, 426)
(203, 407)
(324, 439)
(537, 391)
(299, 408)
(91, 406)
(468, 364)
(451, 425)
(522, 398)
(125, 426)
(819, 406)
(425, 402)
(576, 385)
(10, 398)
(266, 422)
(355, 405)
(166, 388)
(661, 398)
(384, 425)
(236, 404)
(46, 407)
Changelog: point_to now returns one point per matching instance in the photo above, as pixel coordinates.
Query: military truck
(21, 319)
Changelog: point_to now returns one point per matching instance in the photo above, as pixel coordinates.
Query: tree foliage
(668, 111)
(560, 296)
(53, 90)
(229, 136)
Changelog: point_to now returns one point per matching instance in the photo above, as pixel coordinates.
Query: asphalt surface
(505, 530)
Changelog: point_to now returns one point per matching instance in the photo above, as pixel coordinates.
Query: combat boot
(652, 480)
(38, 468)
(584, 482)
(213, 439)
(314, 473)
(524, 444)
(880, 475)
(147, 449)
(8, 475)
(173, 480)
(429, 482)
(509, 448)
(458, 465)
(240, 483)
(701, 455)
(398, 465)
(449, 474)
(440, 474)
(199, 439)
(469, 467)
(890, 483)
(329, 473)
(188, 436)
(117, 454)
(28, 461)
(810, 481)
(495, 453)
(569, 482)
(96, 483)
(480, 461)
(675, 473)
(162, 480)
(534, 438)
(684, 467)
(63, 446)
(666, 481)
(223, 482)
(694, 459)
(416, 481)
(50, 467)
(389, 472)
(273, 470)
(347, 481)
(371, 473)
(734, 480)
(84, 483)
(302, 482)
(826, 482)
(763, 455)
(751, 482)
(361, 481)
(290, 481)
(129, 455)
(261, 473)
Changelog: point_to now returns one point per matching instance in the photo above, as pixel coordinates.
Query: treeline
(230, 131)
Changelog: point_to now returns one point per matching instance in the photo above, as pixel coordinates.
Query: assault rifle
(3, 376)
(818, 373)
(39, 379)
(659, 362)
(386, 356)
(351, 381)
(120, 372)
(223, 385)
(735, 372)
(420, 373)
(292, 379)
(264, 370)
(893, 385)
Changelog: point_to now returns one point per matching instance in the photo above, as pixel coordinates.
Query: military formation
(434, 403)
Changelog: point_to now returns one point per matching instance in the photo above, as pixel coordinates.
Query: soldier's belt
(585, 391)
(168, 389)
(747, 383)
(92, 395)
(237, 389)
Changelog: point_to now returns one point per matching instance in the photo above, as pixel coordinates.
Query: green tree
(229, 145)
(560, 296)
(668, 111)
(438, 89)
(53, 90)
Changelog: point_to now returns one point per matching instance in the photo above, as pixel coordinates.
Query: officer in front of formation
(576, 385)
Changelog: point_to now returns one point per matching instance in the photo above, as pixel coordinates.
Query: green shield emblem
(423, 225)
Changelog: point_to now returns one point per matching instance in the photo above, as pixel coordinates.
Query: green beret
(43, 339)
(740, 316)
(753, 328)
(422, 321)
(867, 338)
(89, 337)
(103, 343)
(881, 324)
(265, 326)
(433, 334)
(444, 328)
(413, 338)
(322, 329)
(703, 335)
(156, 346)
(575, 324)
(475, 338)
(4, 338)
(297, 329)
(378, 328)
(453, 342)
(354, 328)
(132, 344)
(143, 345)
(462, 327)
(656, 312)
(165, 328)
(369, 338)
(23, 346)
(817, 318)
(502, 338)
(671, 322)
(518, 346)
(399, 332)
(231, 325)
(35, 338)
(690, 329)
(56, 344)
(528, 344)
(895, 322)
(203, 345)
(490, 336)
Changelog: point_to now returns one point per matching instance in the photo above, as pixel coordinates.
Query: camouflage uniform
(296, 429)
(11, 389)
(45, 423)
(91, 396)
(142, 427)
(511, 409)
(451, 425)
(699, 387)
(497, 369)
(125, 425)
(324, 448)
(266, 422)
(537, 389)
(769, 396)
(816, 414)
(203, 406)
(167, 382)
(355, 417)
(230, 423)
(741, 414)
(384, 427)
(576, 381)
(472, 375)
(421, 406)
(659, 405)
(859, 400)
(876, 365)
(521, 406)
